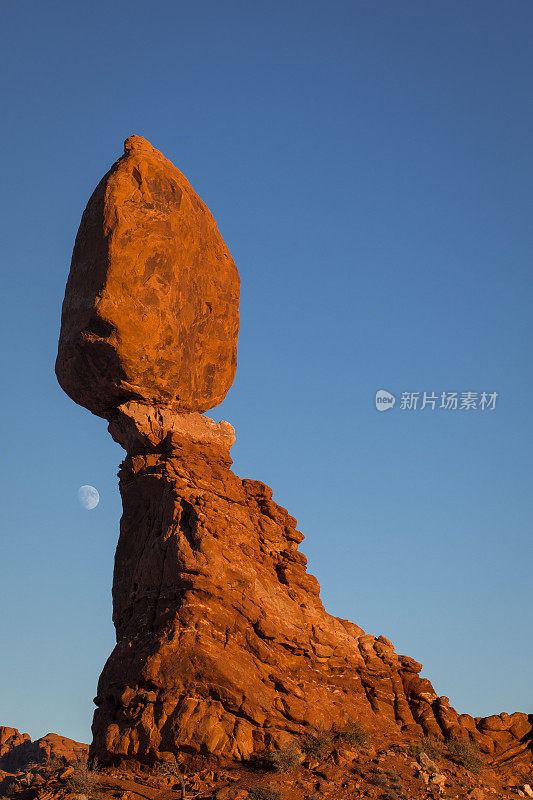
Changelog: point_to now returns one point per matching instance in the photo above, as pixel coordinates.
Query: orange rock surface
(18, 750)
(224, 648)
(10, 738)
(151, 309)
(223, 645)
(383, 766)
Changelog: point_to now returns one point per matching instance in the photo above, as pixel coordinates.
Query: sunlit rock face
(151, 309)
(223, 645)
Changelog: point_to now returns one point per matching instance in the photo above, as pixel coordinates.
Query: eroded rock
(223, 644)
(151, 309)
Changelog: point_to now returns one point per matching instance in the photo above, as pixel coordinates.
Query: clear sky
(369, 165)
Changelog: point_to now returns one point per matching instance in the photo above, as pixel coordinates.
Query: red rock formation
(151, 309)
(223, 645)
(10, 738)
(55, 746)
(17, 749)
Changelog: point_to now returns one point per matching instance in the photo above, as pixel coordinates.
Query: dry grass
(283, 760)
(466, 754)
(379, 778)
(170, 769)
(318, 744)
(54, 764)
(85, 779)
(321, 743)
(390, 794)
(430, 745)
(352, 734)
(264, 793)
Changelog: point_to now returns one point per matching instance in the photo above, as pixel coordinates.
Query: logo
(447, 401)
(384, 400)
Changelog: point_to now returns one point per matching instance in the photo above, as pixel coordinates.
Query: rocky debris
(427, 771)
(151, 309)
(425, 762)
(224, 649)
(381, 770)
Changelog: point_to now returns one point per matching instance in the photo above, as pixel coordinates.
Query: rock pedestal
(223, 645)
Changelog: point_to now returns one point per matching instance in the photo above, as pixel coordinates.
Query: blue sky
(370, 168)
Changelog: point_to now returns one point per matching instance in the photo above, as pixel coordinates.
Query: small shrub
(318, 745)
(466, 754)
(283, 760)
(353, 734)
(56, 763)
(429, 745)
(378, 778)
(170, 769)
(264, 793)
(390, 794)
(394, 780)
(84, 779)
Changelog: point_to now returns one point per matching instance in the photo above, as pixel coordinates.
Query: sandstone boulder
(151, 305)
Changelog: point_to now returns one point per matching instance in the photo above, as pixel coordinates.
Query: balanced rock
(223, 645)
(151, 309)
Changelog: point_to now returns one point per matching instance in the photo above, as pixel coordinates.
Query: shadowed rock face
(151, 309)
(18, 750)
(223, 645)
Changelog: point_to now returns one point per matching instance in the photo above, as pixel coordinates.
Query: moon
(88, 497)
